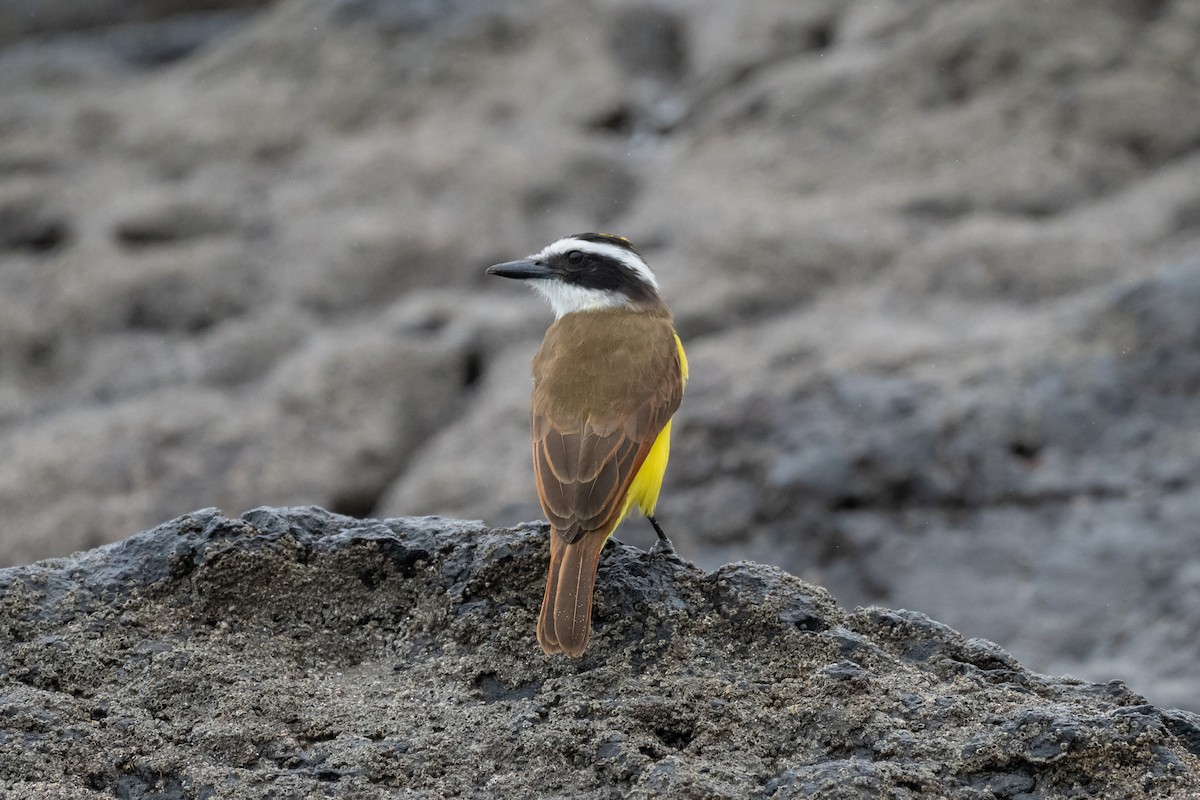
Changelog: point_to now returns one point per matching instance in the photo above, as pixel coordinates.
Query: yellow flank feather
(682, 358)
(643, 492)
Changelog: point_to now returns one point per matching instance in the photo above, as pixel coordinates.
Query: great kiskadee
(606, 381)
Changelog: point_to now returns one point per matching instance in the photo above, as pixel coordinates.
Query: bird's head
(588, 271)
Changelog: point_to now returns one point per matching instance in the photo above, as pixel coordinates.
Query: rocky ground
(294, 653)
(937, 266)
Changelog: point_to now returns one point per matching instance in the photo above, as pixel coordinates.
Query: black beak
(525, 268)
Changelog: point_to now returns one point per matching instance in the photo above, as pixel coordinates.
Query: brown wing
(605, 384)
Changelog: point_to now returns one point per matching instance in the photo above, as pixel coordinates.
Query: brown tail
(566, 620)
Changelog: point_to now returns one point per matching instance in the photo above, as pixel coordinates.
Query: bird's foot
(663, 546)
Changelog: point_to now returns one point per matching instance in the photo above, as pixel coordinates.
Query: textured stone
(934, 263)
(300, 652)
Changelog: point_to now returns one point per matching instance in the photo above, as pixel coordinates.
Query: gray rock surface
(298, 653)
(935, 263)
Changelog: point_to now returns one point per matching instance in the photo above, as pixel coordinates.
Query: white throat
(567, 299)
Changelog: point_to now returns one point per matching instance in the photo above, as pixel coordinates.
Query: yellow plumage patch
(683, 367)
(618, 239)
(643, 492)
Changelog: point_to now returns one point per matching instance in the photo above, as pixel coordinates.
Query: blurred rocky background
(937, 266)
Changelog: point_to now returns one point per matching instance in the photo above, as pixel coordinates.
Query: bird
(607, 381)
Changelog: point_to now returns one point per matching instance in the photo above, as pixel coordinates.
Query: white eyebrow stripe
(629, 259)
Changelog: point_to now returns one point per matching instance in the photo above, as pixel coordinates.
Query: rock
(298, 651)
(933, 264)
(372, 397)
(27, 226)
(1154, 327)
(171, 222)
(476, 471)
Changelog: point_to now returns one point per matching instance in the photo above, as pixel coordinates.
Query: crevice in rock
(357, 502)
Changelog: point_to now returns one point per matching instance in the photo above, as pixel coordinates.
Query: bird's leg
(663, 545)
(658, 528)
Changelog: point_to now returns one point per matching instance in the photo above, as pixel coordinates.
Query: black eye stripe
(604, 273)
